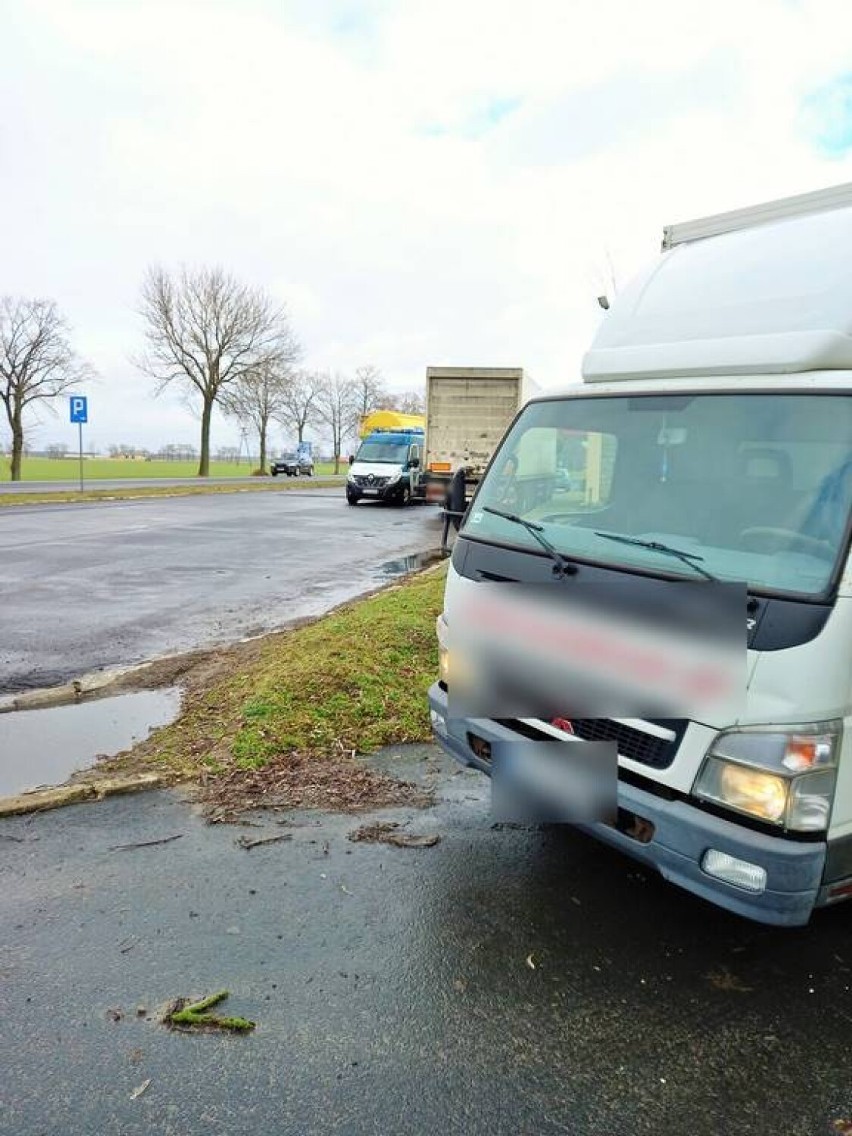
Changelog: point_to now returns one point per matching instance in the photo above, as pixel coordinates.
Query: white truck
(468, 410)
(713, 425)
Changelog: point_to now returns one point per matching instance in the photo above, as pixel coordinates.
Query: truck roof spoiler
(821, 200)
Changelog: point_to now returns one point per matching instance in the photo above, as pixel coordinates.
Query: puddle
(405, 564)
(44, 747)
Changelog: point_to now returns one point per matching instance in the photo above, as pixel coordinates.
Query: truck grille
(635, 744)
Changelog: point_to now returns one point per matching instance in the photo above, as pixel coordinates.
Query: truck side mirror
(351, 459)
(414, 463)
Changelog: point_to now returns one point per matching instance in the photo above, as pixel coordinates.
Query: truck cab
(709, 444)
(386, 466)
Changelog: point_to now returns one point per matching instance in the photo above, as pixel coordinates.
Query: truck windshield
(394, 452)
(752, 487)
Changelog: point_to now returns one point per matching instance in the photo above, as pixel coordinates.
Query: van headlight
(784, 777)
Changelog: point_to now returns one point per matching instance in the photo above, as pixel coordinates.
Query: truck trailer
(468, 410)
(713, 427)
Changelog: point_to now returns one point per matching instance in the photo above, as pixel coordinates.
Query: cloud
(420, 182)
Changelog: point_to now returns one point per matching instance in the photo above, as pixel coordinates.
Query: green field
(101, 469)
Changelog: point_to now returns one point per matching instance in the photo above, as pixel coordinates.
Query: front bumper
(376, 492)
(682, 834)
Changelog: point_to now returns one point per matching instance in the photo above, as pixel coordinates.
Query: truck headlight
(754, 791)
(784, 777)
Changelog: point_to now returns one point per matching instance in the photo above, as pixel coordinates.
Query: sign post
(79, 407)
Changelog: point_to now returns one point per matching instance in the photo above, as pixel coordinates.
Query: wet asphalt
(507, 980)
(112, 583)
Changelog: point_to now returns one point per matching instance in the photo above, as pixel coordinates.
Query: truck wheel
(352, 498)
(404, 497)
(274, 472)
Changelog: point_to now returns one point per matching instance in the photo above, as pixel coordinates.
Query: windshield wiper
(566, 568)
(655, 546)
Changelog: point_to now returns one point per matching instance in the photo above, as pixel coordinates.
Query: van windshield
(753, 487)
(394, 452)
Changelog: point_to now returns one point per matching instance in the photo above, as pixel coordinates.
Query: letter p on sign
(79, 408)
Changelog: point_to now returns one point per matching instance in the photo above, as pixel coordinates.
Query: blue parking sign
(79, 408)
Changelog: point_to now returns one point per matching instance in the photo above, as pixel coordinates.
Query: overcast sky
(435, 182)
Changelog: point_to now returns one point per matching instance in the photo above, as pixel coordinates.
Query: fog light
(739, 873)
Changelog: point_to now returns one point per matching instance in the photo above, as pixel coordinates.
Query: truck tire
(404, 497)
(274, 472)
(352, 498)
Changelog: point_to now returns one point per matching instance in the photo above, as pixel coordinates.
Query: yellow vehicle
(389, 420)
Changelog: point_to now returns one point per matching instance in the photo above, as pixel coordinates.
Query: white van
(710, 440)
(386, 466)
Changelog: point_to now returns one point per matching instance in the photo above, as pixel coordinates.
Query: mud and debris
(306, 781)
(391, 832)
(246, 843)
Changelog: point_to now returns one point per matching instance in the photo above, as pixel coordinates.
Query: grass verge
(65, 469)
(278, 721)
(75, 497)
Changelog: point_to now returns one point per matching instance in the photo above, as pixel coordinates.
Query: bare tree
(368, 393)
(259, 396)
(37, 363)
(204, 331)
(337, 402)
(299, 402)
(410, 402)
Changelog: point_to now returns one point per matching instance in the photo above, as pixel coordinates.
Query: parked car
(293, 465)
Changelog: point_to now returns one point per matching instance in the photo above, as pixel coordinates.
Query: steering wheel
(779, 538)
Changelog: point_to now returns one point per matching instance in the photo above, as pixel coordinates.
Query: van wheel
(404, 497)
(352, 498)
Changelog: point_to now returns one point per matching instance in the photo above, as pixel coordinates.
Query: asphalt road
(506, 981)
(110, 583)
(129, 483)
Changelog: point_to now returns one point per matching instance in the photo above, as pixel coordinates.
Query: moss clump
(184, 1014)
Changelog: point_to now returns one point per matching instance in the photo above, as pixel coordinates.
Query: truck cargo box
(467, 412)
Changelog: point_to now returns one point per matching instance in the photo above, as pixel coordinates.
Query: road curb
(39, 800)
(68, 692)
